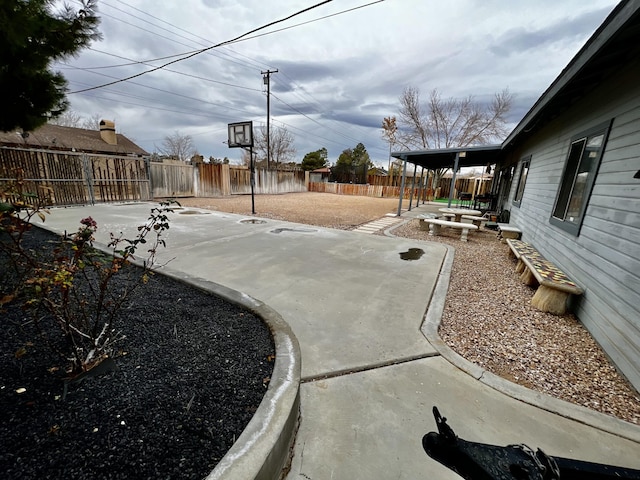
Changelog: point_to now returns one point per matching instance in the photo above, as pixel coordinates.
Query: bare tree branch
(281, 145)
(452, 122)
(178, 146)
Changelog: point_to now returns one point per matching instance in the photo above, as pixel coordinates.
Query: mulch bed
(190, 374)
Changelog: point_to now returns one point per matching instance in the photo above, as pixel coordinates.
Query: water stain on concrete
(299, 230)
(253, 220)
(412, 254)
(193, 212)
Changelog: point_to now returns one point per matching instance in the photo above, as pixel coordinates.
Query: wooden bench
(554, 286)
(506, 231)
(520, 248)
(435, 224)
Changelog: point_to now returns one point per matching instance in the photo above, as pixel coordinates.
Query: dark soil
(191, 371)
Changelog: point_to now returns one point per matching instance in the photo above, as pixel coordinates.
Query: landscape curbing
(262, 451)
(263, 448)
(578, 413)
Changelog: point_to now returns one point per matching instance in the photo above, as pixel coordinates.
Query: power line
(157, 89)
(164, 36)
(193, 53)
(319, 105)
(185, 31)
(308, 21)
(166, 69)
(315, 121)
(208, 48)
(255, 62)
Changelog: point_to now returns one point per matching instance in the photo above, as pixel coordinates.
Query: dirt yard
(321, 209)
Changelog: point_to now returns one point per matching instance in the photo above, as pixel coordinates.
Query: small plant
(17, 208)
(79, 287)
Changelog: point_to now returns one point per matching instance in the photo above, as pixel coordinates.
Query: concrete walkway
(372, 367)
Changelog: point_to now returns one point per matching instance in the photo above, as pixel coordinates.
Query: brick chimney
(108, 132)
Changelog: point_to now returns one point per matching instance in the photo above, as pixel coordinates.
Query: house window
(578, 178)
(522, 180)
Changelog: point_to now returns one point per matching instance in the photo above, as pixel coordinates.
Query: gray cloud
(338, 77)
(521, 39)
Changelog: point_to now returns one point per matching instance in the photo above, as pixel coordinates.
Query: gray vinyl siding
(605, 257)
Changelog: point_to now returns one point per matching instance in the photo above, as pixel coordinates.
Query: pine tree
(32, 36)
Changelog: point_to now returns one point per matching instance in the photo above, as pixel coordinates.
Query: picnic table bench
(554, 286)
(435, 224)
(477, 221)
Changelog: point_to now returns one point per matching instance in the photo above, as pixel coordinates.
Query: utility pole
(267, 81)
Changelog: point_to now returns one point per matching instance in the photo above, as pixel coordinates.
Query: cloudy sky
(341, 66)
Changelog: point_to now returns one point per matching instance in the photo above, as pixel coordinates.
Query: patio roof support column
(420, 189)
(404, 176)
(453, 177)
(413, 185)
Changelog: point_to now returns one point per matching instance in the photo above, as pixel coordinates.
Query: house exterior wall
(605, 257)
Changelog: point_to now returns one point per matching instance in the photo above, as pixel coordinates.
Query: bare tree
(178, 146)
(452, 122)
(70, 118)
(280, 144)
(245, 159)
(448, 123)
(389, 131)
(92, 122)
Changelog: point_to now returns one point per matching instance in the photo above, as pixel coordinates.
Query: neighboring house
(320, 174)
(377, 171)
(55, 137)
(569, 174)
(71, 166)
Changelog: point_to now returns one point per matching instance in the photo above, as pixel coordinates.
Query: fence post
(88, 177)
(225, 179)
(404, 175)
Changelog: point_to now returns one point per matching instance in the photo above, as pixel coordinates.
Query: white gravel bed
(488, 320)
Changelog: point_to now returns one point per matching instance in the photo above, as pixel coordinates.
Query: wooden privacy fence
(172, 179)
(177, 179)
(383, 186)
(364, 190)
(267, 181)
(70, 178)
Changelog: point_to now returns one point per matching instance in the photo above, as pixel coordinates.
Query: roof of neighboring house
(322, 170)
(56, 137)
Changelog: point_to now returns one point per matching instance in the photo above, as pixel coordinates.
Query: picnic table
(459, 212)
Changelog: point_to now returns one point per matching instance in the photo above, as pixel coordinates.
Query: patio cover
(446, 157)
(453, 158)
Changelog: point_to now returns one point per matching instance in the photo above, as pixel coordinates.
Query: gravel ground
(502, 333)
(191, 371)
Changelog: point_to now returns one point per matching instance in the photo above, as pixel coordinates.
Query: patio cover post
(404, 175)
(453, 177)
(420, 188)
(413, 185)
